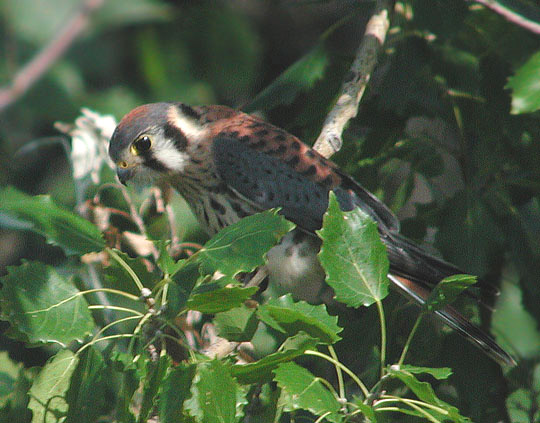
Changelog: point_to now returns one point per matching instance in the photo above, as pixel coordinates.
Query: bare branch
(510, 15)
(352, 89)
(34, 69)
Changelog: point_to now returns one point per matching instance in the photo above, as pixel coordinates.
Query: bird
(228, 165)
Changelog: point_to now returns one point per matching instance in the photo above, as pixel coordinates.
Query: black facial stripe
(153, 163)
(189, 111)
(173, 133)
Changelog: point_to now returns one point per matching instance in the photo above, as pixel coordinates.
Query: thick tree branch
(34, 69)
(510, 15)
(330, 140)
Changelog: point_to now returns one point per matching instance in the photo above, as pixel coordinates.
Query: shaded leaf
(44, 306)
(525, 87)
(121, 279)
(179, 291)
(520, 406)
(353, 256)
(305, 391)
(156, 372)
(238, 324)
(241, 247)
(296, 79)
(261, 370)
(447, 290)
(425, 392)
(47, 395)
(40, 214)
(176, 388)
(86, 393)
(288, 316)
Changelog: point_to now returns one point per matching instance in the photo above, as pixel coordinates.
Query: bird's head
(152, 141)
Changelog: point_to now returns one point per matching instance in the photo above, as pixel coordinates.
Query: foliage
(125, 329)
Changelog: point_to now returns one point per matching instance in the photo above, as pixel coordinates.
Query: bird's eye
(141, 144)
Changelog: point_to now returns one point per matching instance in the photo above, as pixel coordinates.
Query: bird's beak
(124, 174)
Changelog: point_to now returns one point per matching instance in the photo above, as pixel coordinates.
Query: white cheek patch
(190, 127)
(170, 157)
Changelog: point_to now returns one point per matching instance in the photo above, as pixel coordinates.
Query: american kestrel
(228, 165)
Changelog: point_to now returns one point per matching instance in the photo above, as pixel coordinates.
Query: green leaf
(425, 392)
(447, 290)
(353, 256)
(520, 406)
(241, 247)
(439, 373)
(298, 78)
(47, 395)
(306, 392)
(9, 371)
(216, 393)
(87, 388)
(525, 86)
(220, 299)
(44, 306)
(238, 324)
(287, 316)
(183, 281)
(175, 390)
(156, 372)
(261, 370)
(69, 231)
(121, 279)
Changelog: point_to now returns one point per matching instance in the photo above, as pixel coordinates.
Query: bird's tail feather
(455, 320)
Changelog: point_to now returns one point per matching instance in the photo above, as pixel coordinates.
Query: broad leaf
(87, 388)
(238, 324)
(40, 214)
(525, 87)
(155, 373)
(241, 247)
(353, 256)
(220, 299)
(121, 279)
(425, 392)
(216, 394)
(47, 395)
(439, 373)
(175, 390)
(296, 79)
(287, 316)
(447, 290)
(179, 290)
(261, 370)
(44, 306)
(305, 391)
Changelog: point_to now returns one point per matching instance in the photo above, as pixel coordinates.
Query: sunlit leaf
(305, 391)
(438, 373)
(525, 86)
(59, 226)
(47, 395)
(241, 247)
(291, 317)
(44, 306)
(353, 256)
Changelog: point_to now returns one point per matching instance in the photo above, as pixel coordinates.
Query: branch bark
(510, 15)
(34, 70)
(346, 107)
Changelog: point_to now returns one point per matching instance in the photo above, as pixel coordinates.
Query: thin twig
(34, 69)
(510, 15)
(346, 107)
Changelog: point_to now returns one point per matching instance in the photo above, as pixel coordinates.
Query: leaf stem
(127, 268)
(345, 369)
(382, 320)
(409, 339)
(339, 372)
